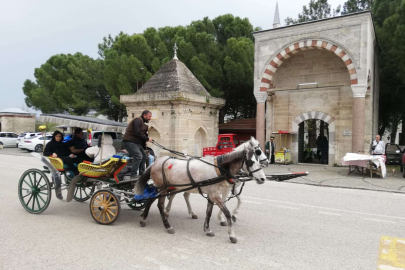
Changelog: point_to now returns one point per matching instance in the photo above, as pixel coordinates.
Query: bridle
(250, 163)
(258, 152)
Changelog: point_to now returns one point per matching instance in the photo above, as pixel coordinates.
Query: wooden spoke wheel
(105, 207)
(34, 191)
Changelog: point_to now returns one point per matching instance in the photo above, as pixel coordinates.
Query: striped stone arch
(285, 53)
(318, 116)
(313, 115)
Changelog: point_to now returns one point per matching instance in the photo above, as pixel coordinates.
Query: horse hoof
(233, 240)
(224, 223)
(170, 231)
(194, 216)
(143, 224)
(211, 234)
(234, 218)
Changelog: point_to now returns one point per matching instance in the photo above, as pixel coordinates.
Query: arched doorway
(313, 145)
(200, 141)
(320, 123)
(153, 133)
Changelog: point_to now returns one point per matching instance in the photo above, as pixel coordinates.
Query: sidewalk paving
(321, 175)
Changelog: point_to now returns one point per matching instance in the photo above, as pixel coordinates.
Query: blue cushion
(148, 193)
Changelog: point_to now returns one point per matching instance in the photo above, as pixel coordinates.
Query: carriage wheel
(34, 191)
(105, 207)
(82, 192)
(135, 205)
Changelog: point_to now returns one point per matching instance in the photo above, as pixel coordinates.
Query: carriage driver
(135, 138)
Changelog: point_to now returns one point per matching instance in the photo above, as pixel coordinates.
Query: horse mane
(234, 155)
(241, 146)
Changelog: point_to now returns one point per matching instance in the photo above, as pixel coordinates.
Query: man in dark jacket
(270, 150)
(57, 149)
(135, 138)
(78, 146)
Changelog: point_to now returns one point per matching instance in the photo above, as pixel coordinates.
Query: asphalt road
(280, 226)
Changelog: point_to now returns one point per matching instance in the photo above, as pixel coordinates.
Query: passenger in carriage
(78, 146)
(57, 149)
(108, 148)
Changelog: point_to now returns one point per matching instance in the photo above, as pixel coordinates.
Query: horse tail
(142, 182)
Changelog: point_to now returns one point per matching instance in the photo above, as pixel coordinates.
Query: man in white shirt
(378, 146)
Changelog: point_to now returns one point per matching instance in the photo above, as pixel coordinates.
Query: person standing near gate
(270, 150)
(378, 146)
(135, 138)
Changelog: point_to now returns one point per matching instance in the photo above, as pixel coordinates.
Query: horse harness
(222, 173)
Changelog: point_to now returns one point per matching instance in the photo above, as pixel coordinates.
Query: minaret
(276, 21)
(175, 51)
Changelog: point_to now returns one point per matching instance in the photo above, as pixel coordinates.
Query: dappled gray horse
(167, 172)
(259, 154)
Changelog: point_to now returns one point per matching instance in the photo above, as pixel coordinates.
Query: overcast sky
(31, 31)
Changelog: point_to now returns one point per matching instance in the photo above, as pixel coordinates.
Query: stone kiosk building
(16, 120)
(184, 115)
(324, 70)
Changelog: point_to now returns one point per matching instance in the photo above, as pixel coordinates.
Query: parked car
(393, 153)
(24, 136)
(8, 139)
(36, 143)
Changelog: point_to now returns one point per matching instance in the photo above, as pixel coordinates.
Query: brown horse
(167, 171)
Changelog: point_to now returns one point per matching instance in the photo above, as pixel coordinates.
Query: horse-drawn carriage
(35, 189)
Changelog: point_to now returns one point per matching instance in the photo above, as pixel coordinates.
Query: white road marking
(287, 207)
(326, 208)
(252, 202)
(379, 220)
(389, 267)
(328, 213)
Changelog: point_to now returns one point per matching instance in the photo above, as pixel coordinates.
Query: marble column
(260, 118)
(359, 104)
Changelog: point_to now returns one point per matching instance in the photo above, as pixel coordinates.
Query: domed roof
(174, 76)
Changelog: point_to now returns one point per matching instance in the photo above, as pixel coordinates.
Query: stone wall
(333, 96)
(349, 33)
(179, 125)
(17, 124)
(336, 102)
(310, 66)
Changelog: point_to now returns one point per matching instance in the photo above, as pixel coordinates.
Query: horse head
(260, 155)
(253, 158)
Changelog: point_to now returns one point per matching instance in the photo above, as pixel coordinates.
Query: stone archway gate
(318, 116)
(350, 37)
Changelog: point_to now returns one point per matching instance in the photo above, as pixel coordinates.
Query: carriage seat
(59, 165)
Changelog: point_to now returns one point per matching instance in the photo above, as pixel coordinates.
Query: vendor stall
(361, 162)
(282, 152)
